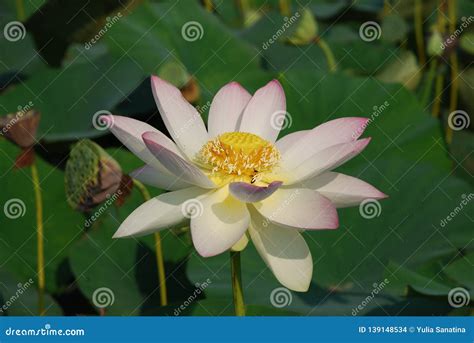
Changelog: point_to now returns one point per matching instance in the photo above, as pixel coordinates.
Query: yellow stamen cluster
(240, 154)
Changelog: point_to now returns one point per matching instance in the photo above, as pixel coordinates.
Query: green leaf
(68, 98)
(461, 271)
(20, 298)
(401, 276)
(62, 226)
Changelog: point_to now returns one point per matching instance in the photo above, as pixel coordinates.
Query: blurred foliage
(76, 60)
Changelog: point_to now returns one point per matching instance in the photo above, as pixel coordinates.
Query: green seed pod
(92, 176)
(306, 30)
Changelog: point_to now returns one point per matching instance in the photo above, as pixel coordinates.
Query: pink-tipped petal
(220, 225)
(265, 112)
(159, 213)
(286, 142)
(343, 190)
(178, 166)
(337, 131)
(129, 131)
(153, 177)
(300, 208)
(247, 192)
(284, 251)
(182, 120)
(227, 108)
(324, 160)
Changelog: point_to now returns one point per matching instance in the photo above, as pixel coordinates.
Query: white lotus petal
(158, 213)
(343, 190)
(300, 208)
(153, 177)
(322, 161)
(227, 108)
(337, 131)
(284, 251)
(286, 142)
(221, 225)
(129, 131)
(175, 164)
(261, 115)
(241, 244)
(182, 120)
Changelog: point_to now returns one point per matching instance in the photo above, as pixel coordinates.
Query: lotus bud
(435, 44)
(306, 29)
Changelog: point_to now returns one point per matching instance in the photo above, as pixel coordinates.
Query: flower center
(238, 156)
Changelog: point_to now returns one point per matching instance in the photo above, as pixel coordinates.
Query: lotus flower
(236, 181)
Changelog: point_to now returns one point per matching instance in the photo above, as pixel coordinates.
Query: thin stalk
(441, 26)
(438, 93)
(39, 238)
(285, 7)
(453, 60)
(208, 5)
(420, 45)
(328, 54)
(158, 249)
(20, 10)
(429, 81)
(237, 290)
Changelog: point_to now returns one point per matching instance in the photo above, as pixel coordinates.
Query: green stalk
(419, 32)
(158, 249)
(20, 10)
(285, 7)
(39, 238)
(453, 60)
(328, 54)
(237, 290)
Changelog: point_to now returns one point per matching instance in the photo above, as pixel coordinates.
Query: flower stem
(39, 238)
(429, 82)
(20, 10)
(453, 61)
(237, 290)
(208, 5)
(158, 249)
(419, 32)
(285, 7)
(328, 54)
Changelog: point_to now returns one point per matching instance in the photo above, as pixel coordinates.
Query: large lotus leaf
(62, 226)
(20, 297)
(68, 98)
